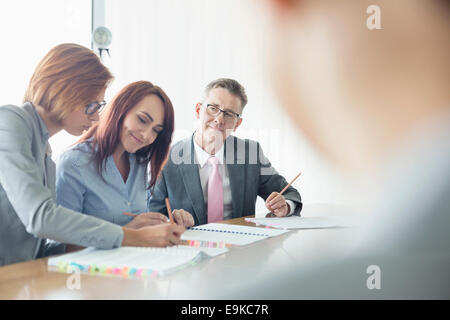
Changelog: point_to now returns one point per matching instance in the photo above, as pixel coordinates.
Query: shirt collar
(202, 156)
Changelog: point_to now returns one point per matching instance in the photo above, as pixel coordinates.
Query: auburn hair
(104, 135)
(67, 78)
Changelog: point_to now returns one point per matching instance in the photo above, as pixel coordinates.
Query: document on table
(215, 235)
(132, 261)
(295, 222)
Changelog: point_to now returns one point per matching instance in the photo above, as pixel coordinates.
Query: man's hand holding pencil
(276, 203)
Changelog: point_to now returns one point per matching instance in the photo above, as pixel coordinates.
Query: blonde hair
(68, 77)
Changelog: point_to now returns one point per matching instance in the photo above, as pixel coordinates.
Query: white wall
(28, 30)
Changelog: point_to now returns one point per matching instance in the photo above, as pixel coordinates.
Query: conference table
(208, 279)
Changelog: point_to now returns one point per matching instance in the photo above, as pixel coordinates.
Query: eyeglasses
(214, 110)
(93, 107)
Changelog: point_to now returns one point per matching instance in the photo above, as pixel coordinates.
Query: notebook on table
(215, 235)
(133, 262)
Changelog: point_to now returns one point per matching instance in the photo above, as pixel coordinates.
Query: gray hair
(234, 87)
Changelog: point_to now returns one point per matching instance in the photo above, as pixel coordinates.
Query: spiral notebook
(215, 235)
(135, 262)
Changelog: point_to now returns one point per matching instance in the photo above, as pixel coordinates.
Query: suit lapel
(236, 172)
(191, 180)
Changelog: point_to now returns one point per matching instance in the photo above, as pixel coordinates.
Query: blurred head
(139, 119)
(221, 110)
(67, 79)
(355, 93)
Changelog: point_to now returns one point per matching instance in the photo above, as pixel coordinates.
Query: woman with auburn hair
(65, 92)
(105, 174)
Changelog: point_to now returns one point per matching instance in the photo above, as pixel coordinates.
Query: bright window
(28, 30)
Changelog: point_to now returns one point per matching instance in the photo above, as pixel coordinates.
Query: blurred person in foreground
(376, 104)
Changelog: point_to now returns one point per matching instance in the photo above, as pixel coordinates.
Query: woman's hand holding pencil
(178, 216)
(145, 219)
(161, 235)
(183, 218)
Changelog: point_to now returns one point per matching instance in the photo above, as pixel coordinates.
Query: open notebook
(216, 235)
(134, 262)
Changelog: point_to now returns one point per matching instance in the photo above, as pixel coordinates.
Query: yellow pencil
(285, 188)
(129, 214)
(169, 210)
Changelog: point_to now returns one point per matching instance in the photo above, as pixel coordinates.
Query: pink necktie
(215, 192)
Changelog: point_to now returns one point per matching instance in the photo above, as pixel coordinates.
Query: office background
(179, 45)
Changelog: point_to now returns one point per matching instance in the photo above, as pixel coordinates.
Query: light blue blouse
(80, 187)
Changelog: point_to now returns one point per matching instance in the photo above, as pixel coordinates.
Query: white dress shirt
(204, 170)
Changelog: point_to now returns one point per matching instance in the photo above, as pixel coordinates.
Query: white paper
(295, 222)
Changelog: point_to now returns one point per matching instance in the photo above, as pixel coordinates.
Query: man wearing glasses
(216, 176)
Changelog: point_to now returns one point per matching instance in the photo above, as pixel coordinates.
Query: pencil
(271, 214)
(285, 188)
(169, 210)
(129, 214)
